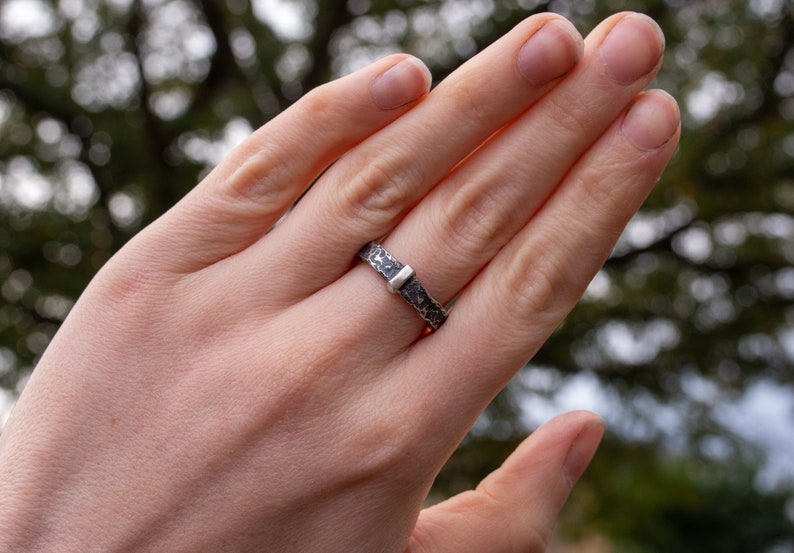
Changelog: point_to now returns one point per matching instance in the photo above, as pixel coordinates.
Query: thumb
(516, 507)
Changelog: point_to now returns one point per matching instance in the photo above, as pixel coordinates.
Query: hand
(227, 385)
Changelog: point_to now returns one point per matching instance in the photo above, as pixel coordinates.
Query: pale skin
(223, 385)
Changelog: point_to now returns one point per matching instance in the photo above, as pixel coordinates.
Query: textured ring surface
(409, 288)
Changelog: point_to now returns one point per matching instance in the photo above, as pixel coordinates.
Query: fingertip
(550, 444)
(402, 83)
(583, 448)
(551, 52)
(632, 48)
(652, 120)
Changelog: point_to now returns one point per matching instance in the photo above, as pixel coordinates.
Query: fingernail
(550, 52)
(652, 120)
(401, 84)
(582, 450)
(632, 48)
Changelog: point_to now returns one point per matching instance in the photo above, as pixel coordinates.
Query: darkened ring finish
(412, 291)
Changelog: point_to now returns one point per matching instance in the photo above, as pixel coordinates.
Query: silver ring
(401, 279)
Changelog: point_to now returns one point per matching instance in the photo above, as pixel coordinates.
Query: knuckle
(471, 228)
(538, 287)
(596, 189)
(574, 122)
(262, 167)
(378, 191)
(385, 450)
(604, 206)
(259, 176)
(466, 102)
(318, 102)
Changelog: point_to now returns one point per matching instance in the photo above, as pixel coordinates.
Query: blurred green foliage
(682, 505)
(110, 110)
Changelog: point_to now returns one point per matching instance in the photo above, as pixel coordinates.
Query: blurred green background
(110, 110)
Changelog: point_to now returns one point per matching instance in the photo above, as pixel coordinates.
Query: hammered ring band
(401, 279)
